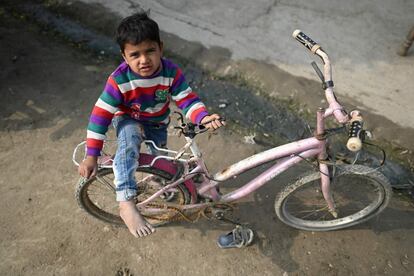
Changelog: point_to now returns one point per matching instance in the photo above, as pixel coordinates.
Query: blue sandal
(240, 237)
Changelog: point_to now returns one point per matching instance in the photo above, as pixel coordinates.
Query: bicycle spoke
(106, 183)
(93, 194)
(314, 212)
(324, 216)
(99, 190)
(101, 187)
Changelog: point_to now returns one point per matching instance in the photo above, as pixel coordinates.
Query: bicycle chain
(179, 214)
(173, 217)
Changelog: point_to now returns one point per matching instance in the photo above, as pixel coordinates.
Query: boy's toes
(135, 233)
(144, 231)
(151, 228)
(141, 233)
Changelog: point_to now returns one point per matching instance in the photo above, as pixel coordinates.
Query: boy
(136, 99)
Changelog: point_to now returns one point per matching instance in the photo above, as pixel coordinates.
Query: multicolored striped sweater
(144, 99)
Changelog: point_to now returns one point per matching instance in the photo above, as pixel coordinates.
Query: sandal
(238, 238)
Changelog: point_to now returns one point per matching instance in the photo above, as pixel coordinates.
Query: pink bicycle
(178, 185)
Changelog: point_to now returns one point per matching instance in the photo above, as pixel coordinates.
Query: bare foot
(136, 224)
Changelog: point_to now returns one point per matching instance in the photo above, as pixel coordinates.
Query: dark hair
(137, 28)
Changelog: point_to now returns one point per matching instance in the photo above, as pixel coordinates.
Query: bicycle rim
(97, 196)
(358, 192)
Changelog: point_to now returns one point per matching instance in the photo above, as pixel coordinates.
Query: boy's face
(143, 58)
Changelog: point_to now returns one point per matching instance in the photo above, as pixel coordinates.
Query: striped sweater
(144, 99)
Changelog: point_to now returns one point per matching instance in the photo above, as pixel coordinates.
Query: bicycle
(178, 185)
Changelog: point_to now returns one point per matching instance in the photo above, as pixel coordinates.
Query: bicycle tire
(110, 213)
(295, 196)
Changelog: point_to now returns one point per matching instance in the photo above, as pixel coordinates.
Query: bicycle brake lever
(181, 130)
(318, 71)
(180, 117)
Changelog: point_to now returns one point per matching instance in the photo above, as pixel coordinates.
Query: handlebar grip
(306, 41)
(354, 142)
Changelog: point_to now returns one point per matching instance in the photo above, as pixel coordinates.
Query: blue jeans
(130, 134)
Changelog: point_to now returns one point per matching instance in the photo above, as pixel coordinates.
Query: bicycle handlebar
(306, 41)
(334, 107)
(355, 131)
(191, 130)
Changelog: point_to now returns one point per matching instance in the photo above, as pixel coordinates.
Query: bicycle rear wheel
(97, 196)
(359, 193)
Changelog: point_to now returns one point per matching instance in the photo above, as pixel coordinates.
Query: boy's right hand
(88, 167)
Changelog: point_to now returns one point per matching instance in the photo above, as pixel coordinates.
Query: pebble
(405, 261)
(250, 139)
(92, 68)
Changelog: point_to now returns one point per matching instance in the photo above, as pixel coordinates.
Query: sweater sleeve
(186, 99)
(101, 117)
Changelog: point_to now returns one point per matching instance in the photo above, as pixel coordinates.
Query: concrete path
(362, 38)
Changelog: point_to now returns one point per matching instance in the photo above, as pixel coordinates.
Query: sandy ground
(48, 89)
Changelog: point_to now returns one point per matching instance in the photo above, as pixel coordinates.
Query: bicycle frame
(286, 155)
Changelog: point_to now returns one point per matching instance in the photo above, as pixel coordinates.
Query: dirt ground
(48, 88)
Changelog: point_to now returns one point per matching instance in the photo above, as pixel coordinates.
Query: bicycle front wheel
(97, 196)
(359, 193)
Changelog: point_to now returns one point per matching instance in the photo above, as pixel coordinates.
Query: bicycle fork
(326, 189)
(323, 168)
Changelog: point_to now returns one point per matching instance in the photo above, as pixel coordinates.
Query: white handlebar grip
(354, 142)
(296, 32)
(306, 41)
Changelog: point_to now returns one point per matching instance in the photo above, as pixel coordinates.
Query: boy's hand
(212, 121)
(88, 167)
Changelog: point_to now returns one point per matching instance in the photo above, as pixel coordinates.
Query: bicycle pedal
(218, 214)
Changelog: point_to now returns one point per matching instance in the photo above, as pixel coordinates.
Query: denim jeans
(130, 134)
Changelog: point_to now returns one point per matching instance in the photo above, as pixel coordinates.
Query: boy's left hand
(212, 121)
